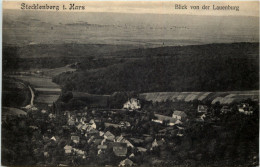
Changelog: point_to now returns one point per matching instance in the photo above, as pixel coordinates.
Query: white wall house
(132, 104)
(245, 109)
(202, 108)
(180, 115)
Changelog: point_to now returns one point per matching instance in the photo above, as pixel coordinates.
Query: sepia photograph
(130, 83)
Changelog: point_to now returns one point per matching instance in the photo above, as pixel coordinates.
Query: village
(132, 135)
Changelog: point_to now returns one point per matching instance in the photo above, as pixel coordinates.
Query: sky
(246, 8)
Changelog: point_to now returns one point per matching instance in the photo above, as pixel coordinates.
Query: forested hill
(249, 50)
(214, 67)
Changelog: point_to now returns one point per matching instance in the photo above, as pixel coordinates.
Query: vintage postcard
(130, 83)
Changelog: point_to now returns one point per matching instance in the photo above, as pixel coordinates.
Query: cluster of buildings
(101, 141)
(88, 135)
(177, 118)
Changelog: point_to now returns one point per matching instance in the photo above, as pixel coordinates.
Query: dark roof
(117, 144)
(202, 108)
(120, 150)
(180, 113)
(135, 140)
(97, 141)
(165, 118)
(102, 147)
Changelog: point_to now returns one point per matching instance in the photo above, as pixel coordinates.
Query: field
(47, 92)
(12, 111)
(57, 71)
(222, 97)
(46, 99)
(37, 82)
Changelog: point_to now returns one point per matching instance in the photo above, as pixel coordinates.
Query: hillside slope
(215, 67)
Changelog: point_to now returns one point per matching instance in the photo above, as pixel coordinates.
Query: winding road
(32, 95)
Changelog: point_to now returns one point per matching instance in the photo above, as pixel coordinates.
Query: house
(97, 141)
(67, 149)
(101, 133)
(46, 154)
(202, 108)
(102, 147)
(245, 108)
(84, 127)
(225, 109)
(93, 132)
(109, 136)
(203, 116)
(43, 111)
(111, 125)
(53, 138)
(103, 141)
(168, 120)
(79, 152)
(52, 116)
(132, 155)
(93, 126)
(126, 162)
(141, 149)
(75, 139)
(124, 124)
(162, 132)
(99, 151)
(179, 134)
(82, 120)
(155, 144)
(91, 139)
(180, 115)
(79, 126)
(33, 127)
(85, 108)
(71, 122)
(121, 139)
(119, 149)
(132, 104)
(136, 141)
(158, 143)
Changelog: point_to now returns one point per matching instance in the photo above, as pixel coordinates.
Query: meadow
(221, 97)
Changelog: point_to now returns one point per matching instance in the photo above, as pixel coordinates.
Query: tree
(66, 96)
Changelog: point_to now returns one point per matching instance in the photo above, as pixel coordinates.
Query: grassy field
(57, 71)
(12, 111)
(47, 92)
(222, 97)
(37, 82)
(46, 99)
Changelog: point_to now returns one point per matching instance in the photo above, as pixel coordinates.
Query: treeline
(12, 61)
(15, 94)
(17, 58)
(216, 67)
